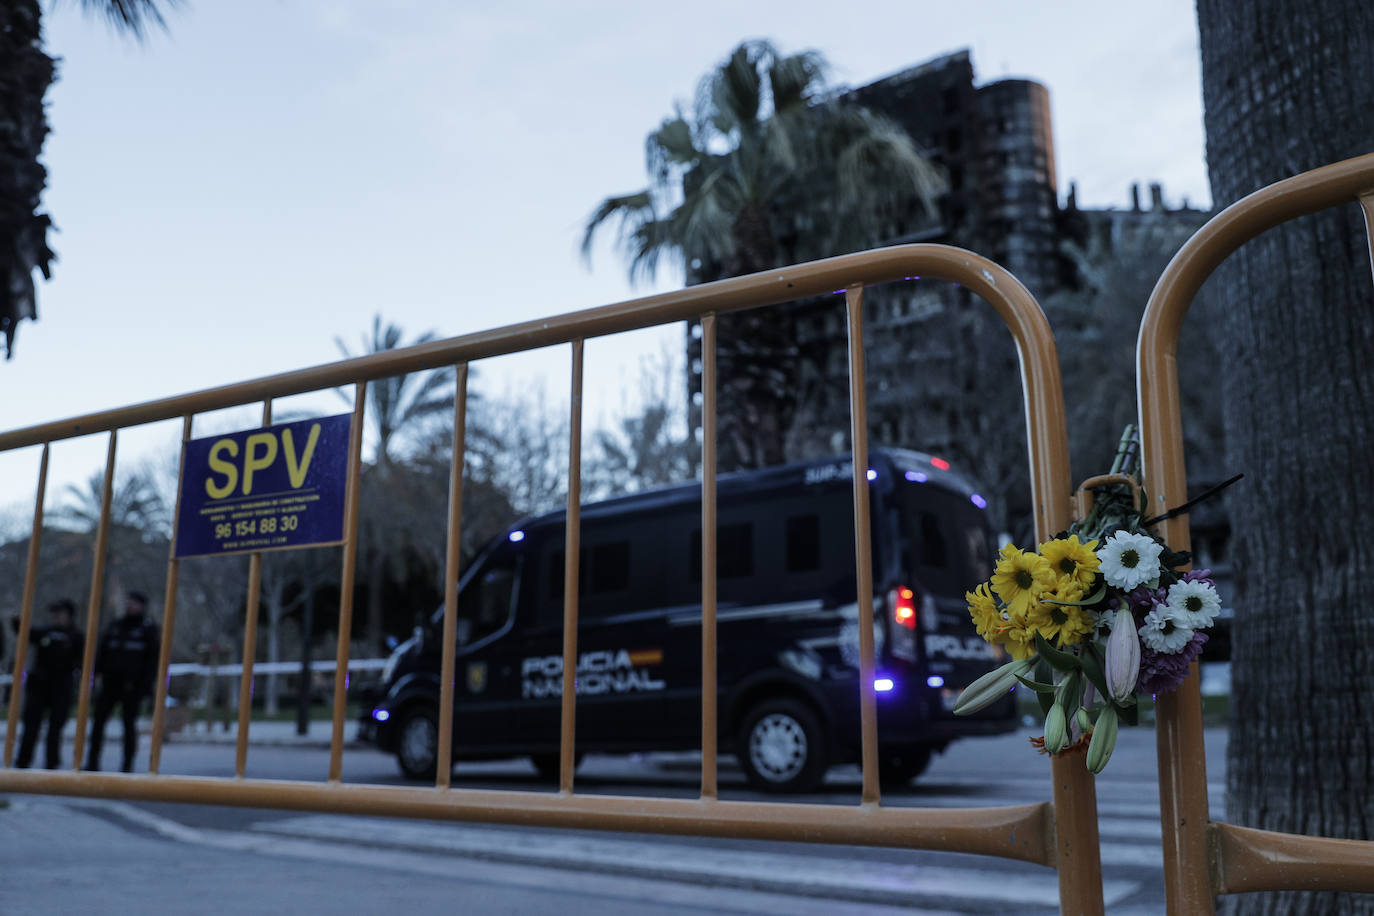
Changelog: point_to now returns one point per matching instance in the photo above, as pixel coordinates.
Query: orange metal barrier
(1204, 858)
(1061, 834)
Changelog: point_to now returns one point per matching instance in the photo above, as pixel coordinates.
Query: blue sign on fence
(263, 489)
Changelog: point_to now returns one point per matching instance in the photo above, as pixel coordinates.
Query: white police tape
(185, 669)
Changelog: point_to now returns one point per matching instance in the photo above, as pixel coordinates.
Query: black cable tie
(1179, 510)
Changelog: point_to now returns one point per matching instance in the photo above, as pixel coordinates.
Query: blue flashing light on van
(787, 628)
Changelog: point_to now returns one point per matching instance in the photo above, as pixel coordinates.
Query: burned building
(931, 348)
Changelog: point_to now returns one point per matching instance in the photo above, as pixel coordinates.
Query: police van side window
(734, 552)
(946, 539)
(803, 543)
(936, 553)
(603, 579)
(814, 545)
(610, 567)
(484, 606)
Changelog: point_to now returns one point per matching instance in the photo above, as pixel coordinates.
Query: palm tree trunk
(758, 351)
(1289, 87)
(25, 75)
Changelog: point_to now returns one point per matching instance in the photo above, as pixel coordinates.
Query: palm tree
(402, 401)
(1287, 88)
(394, 405)
(25, 75)
(769, 168)
(135, 505)
(140, 521)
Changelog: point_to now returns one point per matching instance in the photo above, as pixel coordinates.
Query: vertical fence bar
(350, 562)
(571, 554)
(709, 729)
(169, 615)
(83, 703)
(863, 548)
(444, 761)
(250, 642)
(21, 642)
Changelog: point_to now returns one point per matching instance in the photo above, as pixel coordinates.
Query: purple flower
(1142, 600)
(1199, 575)
(1162, 672)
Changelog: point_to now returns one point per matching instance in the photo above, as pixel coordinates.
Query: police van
(787, 628)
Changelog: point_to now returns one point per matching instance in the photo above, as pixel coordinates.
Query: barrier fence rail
(1203, 858)
(1061, 834)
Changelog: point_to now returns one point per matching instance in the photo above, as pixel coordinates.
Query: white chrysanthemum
(1195, 604)
(1129, 560)
(1163, 631)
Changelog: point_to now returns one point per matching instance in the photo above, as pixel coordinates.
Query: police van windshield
(946, 544)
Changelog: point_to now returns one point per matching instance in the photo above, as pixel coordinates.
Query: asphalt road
(138, 853)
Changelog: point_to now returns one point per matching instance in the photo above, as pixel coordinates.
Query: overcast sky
(235, 193)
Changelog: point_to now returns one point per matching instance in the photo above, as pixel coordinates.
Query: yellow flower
(1019, 641)
(1072, 560)
(1020, 579)
(1065, 622)
(982, 607)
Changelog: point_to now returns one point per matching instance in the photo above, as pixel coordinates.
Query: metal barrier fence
(1203, 858)
(1061, 834)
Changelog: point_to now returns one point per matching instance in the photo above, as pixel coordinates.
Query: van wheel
(898, 766)
(782, 747)
(417, 743)
(549, 766)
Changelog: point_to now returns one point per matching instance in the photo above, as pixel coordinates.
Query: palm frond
(736, 89)
(671, 145)
(649, 240)
(796, 79)
(133, 17)
(629, 210)
(879, 162)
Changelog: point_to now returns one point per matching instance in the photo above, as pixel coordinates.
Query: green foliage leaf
(1045, 675)
(1175, 558)
(1037, 686)
(1092, 669)
(1064, 661)
(1092, 599)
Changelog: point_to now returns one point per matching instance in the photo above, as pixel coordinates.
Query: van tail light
(902, 600)
(902, 604)
(908, 607)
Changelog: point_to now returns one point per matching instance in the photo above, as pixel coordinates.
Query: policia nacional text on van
(788, 638)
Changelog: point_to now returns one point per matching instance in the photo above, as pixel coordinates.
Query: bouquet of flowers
(1098, 617)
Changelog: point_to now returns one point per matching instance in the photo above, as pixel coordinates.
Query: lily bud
(991, 687)
(1123, 656)
(1056, 729)
(1104, 740)
(1084, 720)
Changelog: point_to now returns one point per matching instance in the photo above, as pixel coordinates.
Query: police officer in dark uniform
(49, 683)
(126, 662)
